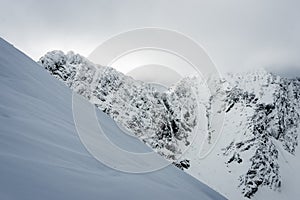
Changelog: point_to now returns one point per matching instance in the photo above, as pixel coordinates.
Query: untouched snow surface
(41, 156)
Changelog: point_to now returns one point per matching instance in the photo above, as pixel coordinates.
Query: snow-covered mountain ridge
(163, 120)
(261, 126)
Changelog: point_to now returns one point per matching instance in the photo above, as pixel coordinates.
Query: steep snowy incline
(41, 156)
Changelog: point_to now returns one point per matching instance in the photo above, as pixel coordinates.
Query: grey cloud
(234, 33)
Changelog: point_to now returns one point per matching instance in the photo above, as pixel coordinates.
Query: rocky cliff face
(272, 106)
(263, 108)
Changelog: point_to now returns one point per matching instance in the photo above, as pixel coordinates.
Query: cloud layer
(236, 34)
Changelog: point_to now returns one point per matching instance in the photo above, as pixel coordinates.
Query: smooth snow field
(42, 157)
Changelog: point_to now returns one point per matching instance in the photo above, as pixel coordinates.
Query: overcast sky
(236, 34)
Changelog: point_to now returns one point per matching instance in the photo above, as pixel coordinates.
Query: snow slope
(41, 156)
